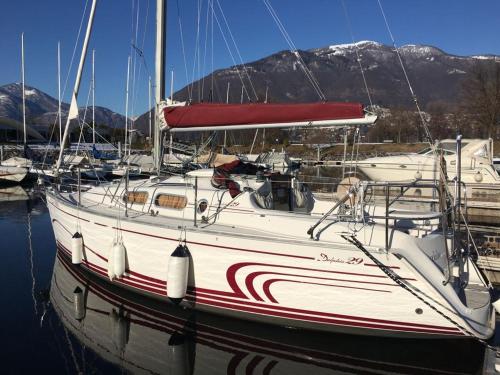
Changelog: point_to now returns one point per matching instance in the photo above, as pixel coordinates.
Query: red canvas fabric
(213, 114)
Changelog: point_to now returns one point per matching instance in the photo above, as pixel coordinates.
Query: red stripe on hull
(403, 328)
(292, 313)
(249, 282)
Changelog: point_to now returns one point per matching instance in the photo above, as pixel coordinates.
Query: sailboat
(207, 242)
(13, 170)
(16, 169)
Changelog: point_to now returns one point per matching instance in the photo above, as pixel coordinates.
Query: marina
(66, 320)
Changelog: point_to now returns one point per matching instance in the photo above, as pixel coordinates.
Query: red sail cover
(214, 114)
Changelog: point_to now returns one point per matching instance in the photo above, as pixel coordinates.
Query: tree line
(476, 115)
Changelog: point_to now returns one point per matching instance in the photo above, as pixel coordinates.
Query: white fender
(76, 248)
(177, 275)
(118, 259)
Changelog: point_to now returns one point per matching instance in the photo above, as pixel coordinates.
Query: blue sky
(461, 27)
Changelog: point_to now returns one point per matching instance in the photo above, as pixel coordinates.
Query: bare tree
(481, 97)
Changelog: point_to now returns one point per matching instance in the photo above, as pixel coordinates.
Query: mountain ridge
(41, 108)
(436, 77)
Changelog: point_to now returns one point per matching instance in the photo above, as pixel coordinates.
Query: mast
(73, 109)
(93, 98)
(126, 106)
(149, 107)
(22, 80)
(59, 91)
(172, 87)
(172, 103)
(161, 11)
(227, 102)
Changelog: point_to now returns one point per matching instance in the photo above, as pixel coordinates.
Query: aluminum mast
(161, 12)
(73, 109)
(22, 79)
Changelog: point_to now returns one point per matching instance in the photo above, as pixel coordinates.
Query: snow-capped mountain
(41, 108)
(435, 75)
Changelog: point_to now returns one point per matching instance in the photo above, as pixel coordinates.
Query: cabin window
(177, 202)
(138, 197)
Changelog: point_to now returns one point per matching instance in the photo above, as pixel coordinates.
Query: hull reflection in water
(146, 336)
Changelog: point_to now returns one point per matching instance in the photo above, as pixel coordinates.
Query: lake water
(57, 319)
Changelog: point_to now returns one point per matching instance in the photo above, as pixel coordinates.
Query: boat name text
(351, 260)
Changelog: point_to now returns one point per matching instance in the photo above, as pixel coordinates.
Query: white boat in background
(477, 163)
(277, 161)
(206, 241)
(120, 169)
(14, 169)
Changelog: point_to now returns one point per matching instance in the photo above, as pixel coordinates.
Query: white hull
(284, 280)
(476, 164)
(12, 174)
(490, 265)
(377, 171)
(122, 171)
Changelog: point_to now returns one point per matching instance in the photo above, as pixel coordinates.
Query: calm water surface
(57, 319)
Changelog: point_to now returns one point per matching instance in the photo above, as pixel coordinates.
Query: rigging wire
(308, 73)
(356, 49)
(190, 94)
(196, 48)
(438, 157)
(67, 75)
(245, 69)
(135, 32)
(212, 83)
(414, 96)
(230, 53)
(205, 53)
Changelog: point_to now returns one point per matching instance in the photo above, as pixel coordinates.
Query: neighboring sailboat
(16, 169)
(206, 240)
(477, 163)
